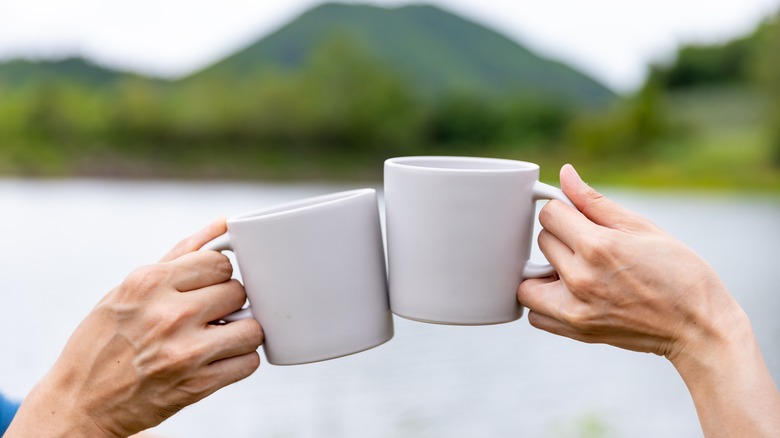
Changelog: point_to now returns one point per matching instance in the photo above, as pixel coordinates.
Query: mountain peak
(433, 49)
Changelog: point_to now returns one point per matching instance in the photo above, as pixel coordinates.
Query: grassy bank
(721, 142)
(710, 164)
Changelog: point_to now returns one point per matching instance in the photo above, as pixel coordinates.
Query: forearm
(732, 388)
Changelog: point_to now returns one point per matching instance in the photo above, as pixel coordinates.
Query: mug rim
(300, 206)
(499, 165)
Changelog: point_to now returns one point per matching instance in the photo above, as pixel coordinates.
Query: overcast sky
(613, 40)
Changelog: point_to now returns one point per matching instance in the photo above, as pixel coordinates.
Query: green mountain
(434, 49)
(21, 71)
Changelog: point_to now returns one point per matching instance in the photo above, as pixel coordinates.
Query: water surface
(66, 243)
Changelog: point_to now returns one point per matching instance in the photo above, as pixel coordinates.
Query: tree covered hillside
(433, 50)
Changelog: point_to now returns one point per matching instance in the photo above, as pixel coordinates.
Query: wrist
(51, 409)
(729, 382)
(715, 344)
(713, 330)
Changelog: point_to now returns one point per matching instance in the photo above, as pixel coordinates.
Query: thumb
(197, 240)
(595, 206)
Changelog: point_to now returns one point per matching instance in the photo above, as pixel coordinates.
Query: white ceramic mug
(459, 232)
(314, 273)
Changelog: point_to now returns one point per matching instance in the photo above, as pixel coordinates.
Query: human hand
(625, 282)
(148, 349)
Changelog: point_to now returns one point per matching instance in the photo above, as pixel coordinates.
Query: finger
(214, 302)
(227, 371)
(550, 298)
(200, 269)
(221, 373)
(568, 225)
(620, 339)
(531, 291)
(557, 327)
(595, 206)
(234, 339)
(197, 240)
(555, 251)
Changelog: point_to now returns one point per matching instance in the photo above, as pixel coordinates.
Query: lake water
(66, 243)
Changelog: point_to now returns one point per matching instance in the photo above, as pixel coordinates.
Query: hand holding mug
(625, 282)
(618, 275)
(147, 349)
(314, 271)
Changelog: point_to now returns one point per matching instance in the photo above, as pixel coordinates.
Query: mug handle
(543, 191)
(219, 244)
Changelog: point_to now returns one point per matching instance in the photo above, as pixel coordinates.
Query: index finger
(197, 240)
(567, 223)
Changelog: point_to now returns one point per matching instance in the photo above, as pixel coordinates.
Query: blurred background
(125, 126)
(640, 95)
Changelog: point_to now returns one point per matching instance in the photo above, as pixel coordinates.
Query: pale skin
(147, 349)
(625, 282)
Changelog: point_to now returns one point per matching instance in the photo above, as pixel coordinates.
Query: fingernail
(569, 168)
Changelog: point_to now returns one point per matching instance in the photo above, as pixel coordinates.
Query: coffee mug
(459, 232)
(314, 274)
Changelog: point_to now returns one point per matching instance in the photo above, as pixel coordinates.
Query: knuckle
(251, 334)
(249, 365)
(231, 293)
(171, 359)
(580, 284)
(550, 211)
(186, 310)
(257, 336)
(589, 248)
(184, 358)
(593, 195)
(237, 291)
(530, 291)
(198, 387)
(146, 278)
(522, 289)
(635, 222)
(234, 293)
(609, 246)
(525, 289)
(157, 319)
(220, 262)
(169, 316)
(188, 244)
(597, 248)
(546, 213)
(194, 354)
(577, 317)
(225, 266)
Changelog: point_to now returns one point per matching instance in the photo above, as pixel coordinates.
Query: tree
(707, 64)
(770, 79)
(360, 105)
(631, 128)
